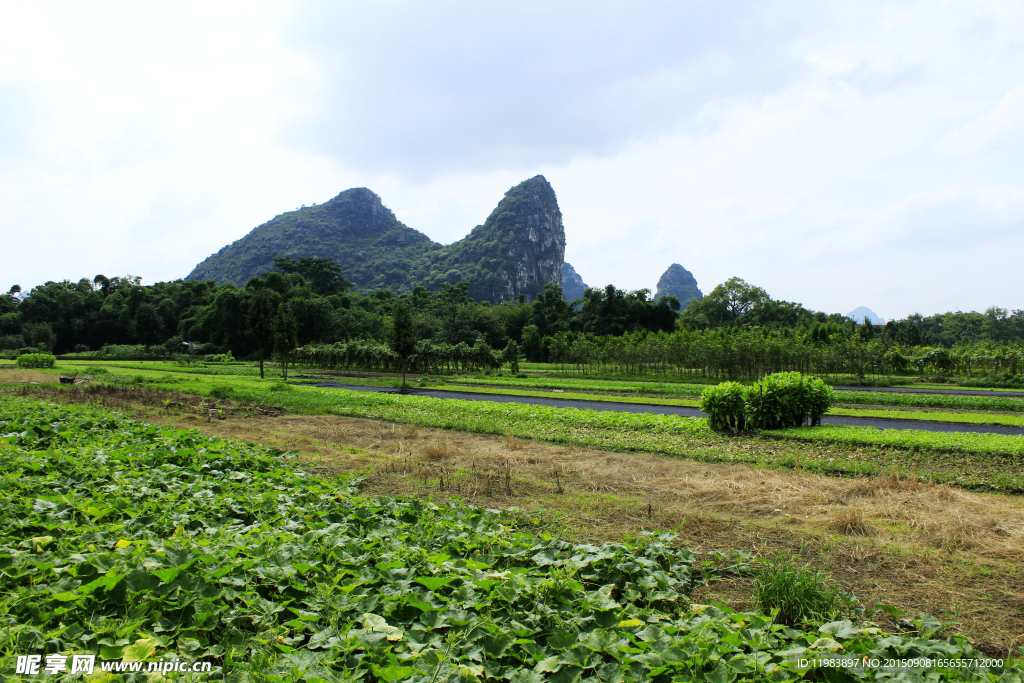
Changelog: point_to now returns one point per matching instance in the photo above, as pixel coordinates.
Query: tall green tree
(511, 356)
(263, 303)
(286, 337)
(403, 337)
(450, 307)
(149, 327)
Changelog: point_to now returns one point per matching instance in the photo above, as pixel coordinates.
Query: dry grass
(14, 374)
(849, 522)
(889, 510)
(442, 447)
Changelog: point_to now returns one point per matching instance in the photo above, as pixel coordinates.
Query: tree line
(736, 330)
(88, 315)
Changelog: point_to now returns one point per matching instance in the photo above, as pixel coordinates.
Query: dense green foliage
(784, 399)
(133, 542)
(119, 318)
(36, 360)
(422, 357)
(736, 303)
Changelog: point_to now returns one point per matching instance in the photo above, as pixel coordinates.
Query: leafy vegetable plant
(36, 360)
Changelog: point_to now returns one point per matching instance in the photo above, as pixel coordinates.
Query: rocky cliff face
(680, 283)
(573, 285)
(518, 249)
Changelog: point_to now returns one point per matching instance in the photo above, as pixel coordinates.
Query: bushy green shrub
(724, 405)
(818, 398)
(785, 399)
(36, 360)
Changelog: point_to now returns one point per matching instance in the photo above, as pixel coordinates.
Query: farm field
(907, 541)
(662, 393)
(342, 583)
(977, 461)
(552, 370)
(893, 413)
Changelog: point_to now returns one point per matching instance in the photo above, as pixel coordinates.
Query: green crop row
(933, 416)
(588, 385)
(956, 401)
(133, 543)
(968, 442)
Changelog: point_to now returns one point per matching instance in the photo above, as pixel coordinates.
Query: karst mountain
(517, 250)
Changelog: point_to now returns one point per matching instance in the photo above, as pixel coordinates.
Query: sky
(837, 154)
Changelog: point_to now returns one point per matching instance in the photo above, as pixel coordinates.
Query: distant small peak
(862, 312)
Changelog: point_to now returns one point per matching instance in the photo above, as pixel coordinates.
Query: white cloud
(999, 129)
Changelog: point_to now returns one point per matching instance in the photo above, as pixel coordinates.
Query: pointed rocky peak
(679, 282)
(524, 241)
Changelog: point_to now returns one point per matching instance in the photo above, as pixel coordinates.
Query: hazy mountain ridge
(573, 285)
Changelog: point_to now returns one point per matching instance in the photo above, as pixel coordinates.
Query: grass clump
(798, 595)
